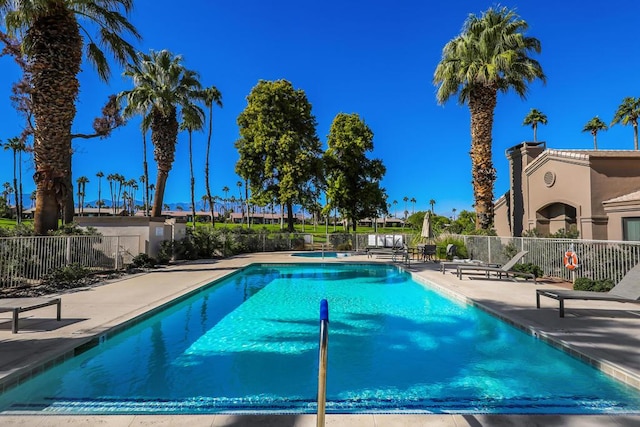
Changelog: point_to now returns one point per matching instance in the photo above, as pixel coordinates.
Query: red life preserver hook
(570, 260)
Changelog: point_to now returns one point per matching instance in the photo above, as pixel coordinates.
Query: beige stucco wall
(501, 217)
(616, 212)
(146, 228)
(571, 186)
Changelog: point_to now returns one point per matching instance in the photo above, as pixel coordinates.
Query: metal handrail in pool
(322, 362)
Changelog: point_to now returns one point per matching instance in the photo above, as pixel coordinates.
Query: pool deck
(606, 334)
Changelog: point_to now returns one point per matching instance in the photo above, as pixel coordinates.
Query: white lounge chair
(505, 270)
(627, 290)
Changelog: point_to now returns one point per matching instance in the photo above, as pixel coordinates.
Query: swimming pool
(325, 254)
(249, 343)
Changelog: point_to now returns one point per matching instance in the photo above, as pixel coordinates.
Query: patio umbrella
(427, 232)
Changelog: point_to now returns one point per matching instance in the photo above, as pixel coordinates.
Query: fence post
(117, 252)
(68, 250)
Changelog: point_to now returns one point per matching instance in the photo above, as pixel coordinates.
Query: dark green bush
(70, 276)
(441, 247)
(528, 267)
(586, 284)
(143, 261)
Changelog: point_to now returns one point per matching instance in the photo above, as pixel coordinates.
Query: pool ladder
(322, 361)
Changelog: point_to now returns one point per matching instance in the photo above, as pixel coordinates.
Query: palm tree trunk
(635, 136)
(193, 182)
(161, 181)
(482, 103)
(56, 54)
(595, 141)
(206, 168)
(145, 171)
(290, 227)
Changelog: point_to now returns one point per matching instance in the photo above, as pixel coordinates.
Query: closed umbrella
(427, 232)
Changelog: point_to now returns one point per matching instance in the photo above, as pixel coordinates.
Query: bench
(19, 305)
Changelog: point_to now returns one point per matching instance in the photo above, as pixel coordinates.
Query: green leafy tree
(163, 88)
(628, 113)
(353, 180)
(491, 55)
(278, 146)
(532, 119)
(52, 41)
(594, 126)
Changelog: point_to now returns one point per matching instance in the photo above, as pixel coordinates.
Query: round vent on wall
(549, 178)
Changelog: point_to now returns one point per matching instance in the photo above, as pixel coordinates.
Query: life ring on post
(570, 260)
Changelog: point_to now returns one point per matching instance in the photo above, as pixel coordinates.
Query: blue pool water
(326, 254)
(249, 343)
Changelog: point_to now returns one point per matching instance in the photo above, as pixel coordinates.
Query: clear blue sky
(375, 58)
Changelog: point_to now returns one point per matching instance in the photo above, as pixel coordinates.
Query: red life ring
(570, 260)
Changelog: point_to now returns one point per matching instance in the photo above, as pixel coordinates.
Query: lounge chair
(627, 290)
(456, 262)
(505, 270)
(18, 305)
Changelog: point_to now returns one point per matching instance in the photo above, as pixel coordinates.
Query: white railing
(27, 260)
(597, 259)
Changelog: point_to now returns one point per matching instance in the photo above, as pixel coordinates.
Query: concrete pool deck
(606, 334)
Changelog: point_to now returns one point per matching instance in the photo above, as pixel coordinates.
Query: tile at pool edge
(304, 420)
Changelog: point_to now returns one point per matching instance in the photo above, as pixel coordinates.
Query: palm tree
(628, 112)
(594, 126)
(192, 119)
(210, 96)
(225, 190)
(100, 174)
(432, 202)
(18, 147)
(413, 205)
(491, 55)
(454, 210)
(53, 44)
(532, 119)
(395, 203)
(111, 178)
(241, 206)
(82, 183)
(163, 88)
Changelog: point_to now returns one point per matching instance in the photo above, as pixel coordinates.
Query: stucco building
(597, 191)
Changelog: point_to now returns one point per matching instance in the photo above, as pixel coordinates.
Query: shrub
(586, 284)
(143, 260)
(70, 276)
(441, 247)
(528, 267)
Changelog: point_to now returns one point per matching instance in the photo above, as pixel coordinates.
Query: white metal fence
(597, 259)
(27, 260)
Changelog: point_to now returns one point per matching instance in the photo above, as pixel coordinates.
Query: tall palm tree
(210, 96)
(163, 87)
(52, 41)
(628, 112)
(18, 146)
(594, 126)
(395, 203)
(192, 119)
(413, 205)
(454, 210)
(432, 202)
(532, 119)
(490, 55)
(240, 202)
(82, 184)
(100, 174)
(225, 190)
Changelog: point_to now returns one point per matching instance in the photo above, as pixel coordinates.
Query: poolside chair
(19, 305)
(505, 270)
(627, 290)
